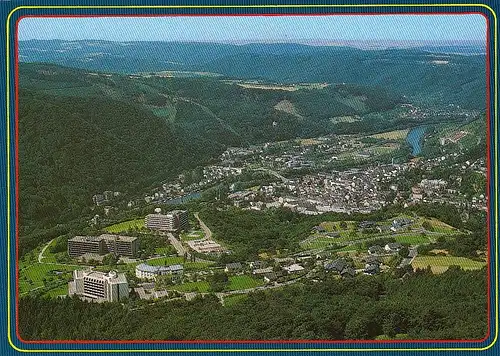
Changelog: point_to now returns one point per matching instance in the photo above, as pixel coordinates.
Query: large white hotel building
(99, 286)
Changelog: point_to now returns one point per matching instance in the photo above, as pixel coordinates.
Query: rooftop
(144, 267)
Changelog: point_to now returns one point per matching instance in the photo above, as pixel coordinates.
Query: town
(299, 176)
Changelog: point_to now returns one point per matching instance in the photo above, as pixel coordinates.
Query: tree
(404, 251)
(218, 281)
(427, 225)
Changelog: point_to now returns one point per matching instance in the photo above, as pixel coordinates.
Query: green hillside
(429, 74)
(83, 132)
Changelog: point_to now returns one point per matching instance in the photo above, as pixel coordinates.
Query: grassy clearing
(243, 282)
(440, 264)
(392, 135)
(62, 290)
(231, 300)
(416, 239)
(201, 287)
(125, 225)
(49, 257)
(379, 150)
(192, 235)
(319, 243)
(32, 277)
(165, 261)
(348, 119)
(441, 227)
(197, 265)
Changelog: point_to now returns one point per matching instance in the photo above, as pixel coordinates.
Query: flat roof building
(173, 221)
(80, 245)
(145, 271)
(103, 244)
(99, 286)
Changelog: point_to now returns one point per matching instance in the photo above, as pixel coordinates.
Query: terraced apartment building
(103, 244)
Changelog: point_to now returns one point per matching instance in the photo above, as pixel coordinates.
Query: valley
(218, 185)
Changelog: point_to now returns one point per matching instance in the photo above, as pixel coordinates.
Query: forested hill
(85, 132)
(416, 73)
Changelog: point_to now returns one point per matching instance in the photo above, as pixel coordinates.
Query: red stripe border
(312, 341)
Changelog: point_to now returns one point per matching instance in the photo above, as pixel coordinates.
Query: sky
(470, 27)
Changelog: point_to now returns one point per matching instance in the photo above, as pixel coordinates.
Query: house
(284, 261)
(367, 224)
(319, 229)
(375, 250)
(416, 193)
(258, 264)
(383, 228)
(336, 266)
(400, 223)
(233, 267)
(348, 272)
(372, 269)
(372, 259)
(262, 270)
(393, 247)
(145, 271)
(322, 255)
(295, 268)
(272, 276)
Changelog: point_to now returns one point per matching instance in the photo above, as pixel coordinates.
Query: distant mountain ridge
(415, 72)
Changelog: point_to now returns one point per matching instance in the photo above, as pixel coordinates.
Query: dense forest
(419, 306)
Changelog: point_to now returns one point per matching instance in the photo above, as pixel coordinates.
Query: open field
(234, 299)
(192, 235)
(412, 239)
(440, 264)
(201, 287)
(441, 227)
(62, 290)
(125, 225)
(348, 119)
(32, 277)
(49, 257)
(243, 282)
(293, 87)
(392, 135)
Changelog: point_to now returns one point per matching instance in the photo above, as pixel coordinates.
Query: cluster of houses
(104, 197)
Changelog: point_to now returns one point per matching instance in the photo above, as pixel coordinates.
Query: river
(415, 138)
(184, 198)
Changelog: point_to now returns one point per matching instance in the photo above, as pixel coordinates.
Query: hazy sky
(233, 28)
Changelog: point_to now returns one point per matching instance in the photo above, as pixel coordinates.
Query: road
(40, 255)
(181, 250)
(206, 230)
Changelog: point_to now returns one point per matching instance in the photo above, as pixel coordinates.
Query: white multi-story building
(145, 271)
(99, 286)
(175, 220)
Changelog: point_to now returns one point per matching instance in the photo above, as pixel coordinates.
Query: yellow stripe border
(494, 181)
